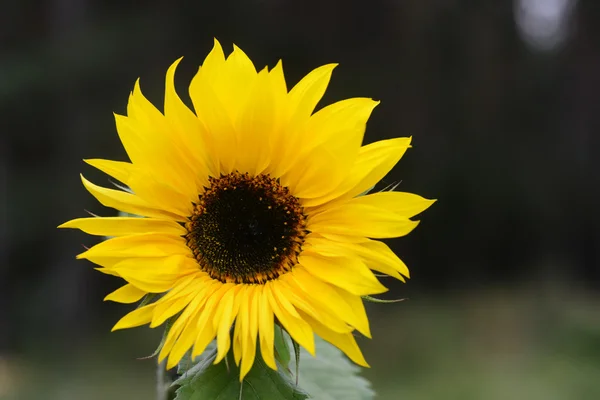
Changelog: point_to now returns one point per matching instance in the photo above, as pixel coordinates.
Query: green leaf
(331, 376)
(282, 349)
(204, 381)
(186, 363)
(297, 357)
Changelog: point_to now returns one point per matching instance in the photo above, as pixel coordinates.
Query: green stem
(161, 384)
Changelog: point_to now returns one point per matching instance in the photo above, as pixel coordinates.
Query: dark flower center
(246, 229)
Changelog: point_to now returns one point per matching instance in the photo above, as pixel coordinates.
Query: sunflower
(253, 213)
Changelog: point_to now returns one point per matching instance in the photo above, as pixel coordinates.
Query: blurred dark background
(501, 98)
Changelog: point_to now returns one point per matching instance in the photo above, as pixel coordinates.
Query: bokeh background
(501, 98)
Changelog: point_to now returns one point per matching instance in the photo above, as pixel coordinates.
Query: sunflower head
(260, 243)
(253, 212)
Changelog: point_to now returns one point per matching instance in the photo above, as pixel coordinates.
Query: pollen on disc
(246, 229)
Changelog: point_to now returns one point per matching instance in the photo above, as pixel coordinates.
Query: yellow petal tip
(136, 87)
(172, 363)
(65, 225)
(154, 324)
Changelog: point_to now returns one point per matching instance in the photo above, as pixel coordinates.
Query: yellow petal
(377, 255)
(322, 169)
(401, 203)
(121, 226)
(150, 283)
(343, 121)
(300, 103)
(285, 137)
(335, 131)
(247, 360)
(144, 185)
(191, 132)
(214, 62)
(126, 294)
(184, 331)
(155, 274)
(165, 310)
(304, 97)
(172, 336)
(356, 314)
(108, 271)
(211, 308)
(184, 341)
(245, 313)
(255, 127)
(167, 265)
(224, 317)
(343, 341)
(205, 329)
(359, 219)
(129, 203)
(293, 285)
(119, 170)
(350, 274)
(298, 329)
(329, 148)
(266, 326)
(240, 331)
(140, 245)
(278, 293)
(234, 84)
(213, 114)
(237, 341)
(218, 92)
(249, 329)
(147, 137)
(137, 317)
(340, 238)
(278, 84)
(194, 283)
(140, 108)
(348, 307)
(372, 163)
(181, 323)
